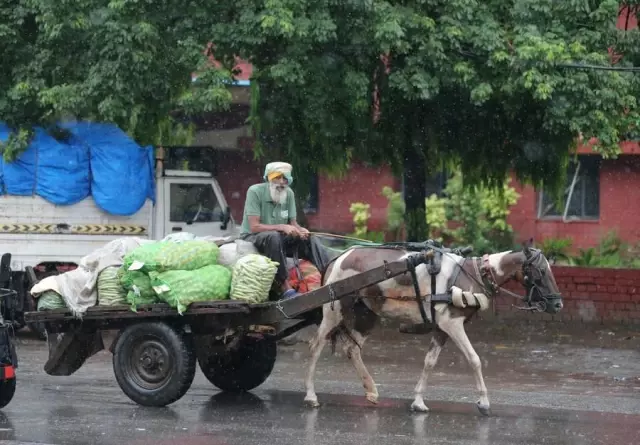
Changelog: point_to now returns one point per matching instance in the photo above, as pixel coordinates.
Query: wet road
(549, 389)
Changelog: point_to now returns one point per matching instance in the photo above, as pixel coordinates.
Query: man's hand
(290, 230)
(304, 233)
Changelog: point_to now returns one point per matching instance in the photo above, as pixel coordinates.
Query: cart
(8, 356)
(155, 349)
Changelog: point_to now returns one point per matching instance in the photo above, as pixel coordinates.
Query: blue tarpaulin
(98, 160)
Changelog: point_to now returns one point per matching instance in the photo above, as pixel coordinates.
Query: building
(604, 198)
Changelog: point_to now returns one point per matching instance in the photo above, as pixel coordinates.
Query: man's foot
(290, 293)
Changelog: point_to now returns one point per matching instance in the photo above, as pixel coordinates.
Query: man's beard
(278, 193)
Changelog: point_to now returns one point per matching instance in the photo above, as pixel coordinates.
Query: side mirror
(226, 217)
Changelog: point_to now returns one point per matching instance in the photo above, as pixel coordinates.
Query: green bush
(557, 249)
(464, 215)
(611, 252)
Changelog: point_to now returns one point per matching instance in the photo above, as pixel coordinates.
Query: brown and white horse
(350, 320)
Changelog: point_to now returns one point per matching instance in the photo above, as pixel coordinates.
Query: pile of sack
(182, 270)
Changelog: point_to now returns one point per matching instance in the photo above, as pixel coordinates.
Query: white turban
(279, 167)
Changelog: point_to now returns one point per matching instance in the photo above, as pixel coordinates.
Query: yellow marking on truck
(74, 229)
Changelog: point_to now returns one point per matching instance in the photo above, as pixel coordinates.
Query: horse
(468, 283)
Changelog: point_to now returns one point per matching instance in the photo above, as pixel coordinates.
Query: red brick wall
(589, 295)
(619, 209)
(237, 171)
(362, 184)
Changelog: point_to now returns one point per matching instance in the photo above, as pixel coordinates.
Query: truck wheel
(241, 369)
(153, 363)
(7, 390)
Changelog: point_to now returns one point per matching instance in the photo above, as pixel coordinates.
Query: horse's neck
(505, 264)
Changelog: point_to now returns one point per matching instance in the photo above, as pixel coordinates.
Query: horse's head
(537, 278)
(531, 269)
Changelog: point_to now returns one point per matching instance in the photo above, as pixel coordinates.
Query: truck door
(194, 206)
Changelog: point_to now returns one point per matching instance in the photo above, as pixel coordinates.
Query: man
(269, 215)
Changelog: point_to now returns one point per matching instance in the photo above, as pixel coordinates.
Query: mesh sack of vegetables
(138, 285)
(180, 288)
(110, 291)
(252, 278)
(164, 256)
(50, 300)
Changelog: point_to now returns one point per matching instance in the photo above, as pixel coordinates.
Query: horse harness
(485, 278)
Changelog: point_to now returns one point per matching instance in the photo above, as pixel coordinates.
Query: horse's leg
(454, 327)
(330, 320)
(437, 342)
(352, 350)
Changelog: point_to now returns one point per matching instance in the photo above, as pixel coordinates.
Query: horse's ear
(526, 248)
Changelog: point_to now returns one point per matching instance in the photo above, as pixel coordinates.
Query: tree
(486, 85)
(123, 61)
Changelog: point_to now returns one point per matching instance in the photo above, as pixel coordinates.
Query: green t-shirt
(259, 203)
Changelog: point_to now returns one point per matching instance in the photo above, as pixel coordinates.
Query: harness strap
(416, 288)
(433, 303)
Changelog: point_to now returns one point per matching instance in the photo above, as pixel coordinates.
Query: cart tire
(242, 369)
(153, 363)
(7, 390)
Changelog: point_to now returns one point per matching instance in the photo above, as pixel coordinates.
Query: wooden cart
(156, 349)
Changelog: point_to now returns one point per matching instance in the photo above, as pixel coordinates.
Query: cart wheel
(153, 363)
(242, 369)
(7, 390)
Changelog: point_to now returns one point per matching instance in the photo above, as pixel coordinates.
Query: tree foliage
(478, 83)
(123, 61)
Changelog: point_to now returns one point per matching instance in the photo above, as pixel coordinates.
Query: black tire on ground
(153, 363)
(7, 390)
(242, 369)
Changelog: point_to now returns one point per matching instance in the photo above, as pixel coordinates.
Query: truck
(40, 236)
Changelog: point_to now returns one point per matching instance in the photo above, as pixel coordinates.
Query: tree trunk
(414, 190)
(415, 179)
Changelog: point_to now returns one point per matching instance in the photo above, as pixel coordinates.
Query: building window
(583, 187)
(311, 203)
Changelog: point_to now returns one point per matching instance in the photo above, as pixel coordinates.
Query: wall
(589, 295)
(619, 208)
(237, 171)
(362, 184)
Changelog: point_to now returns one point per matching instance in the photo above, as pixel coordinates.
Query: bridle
(533, 271)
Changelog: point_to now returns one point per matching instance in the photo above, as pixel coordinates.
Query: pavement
(548, 384)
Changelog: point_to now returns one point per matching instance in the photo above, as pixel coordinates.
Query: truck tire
(7, 390)
(242, 369)
(154, 364)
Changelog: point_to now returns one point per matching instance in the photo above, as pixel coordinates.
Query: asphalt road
(545, 388)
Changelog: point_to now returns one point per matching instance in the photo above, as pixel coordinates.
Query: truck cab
(191, 201)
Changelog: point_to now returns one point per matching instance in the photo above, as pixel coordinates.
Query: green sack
(164, 256)
(252, 279)
(138, 285)
(50, 300)
(110, 291)
(180, 288)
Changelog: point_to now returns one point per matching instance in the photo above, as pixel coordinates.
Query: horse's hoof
(312, 403)
(419, 407)
(372, 398)
(485, 410)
